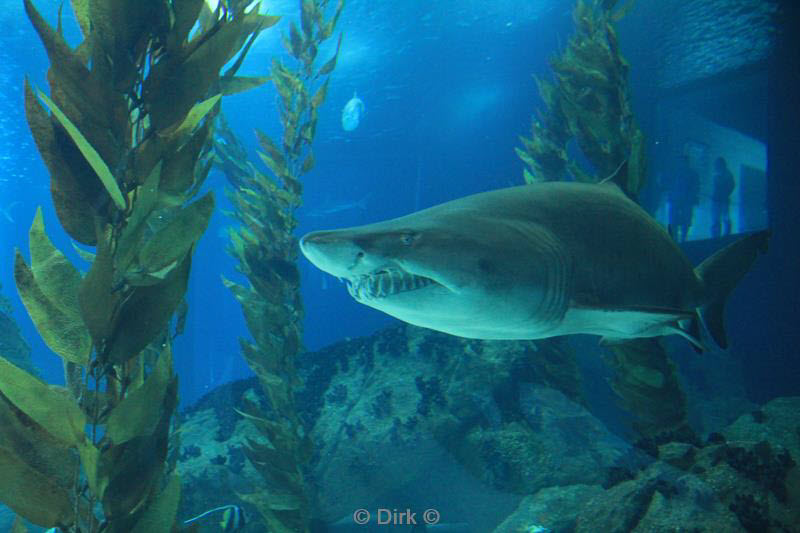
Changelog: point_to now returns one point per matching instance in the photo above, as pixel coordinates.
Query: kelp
(588, 102)
(266, 251)
(125, 134)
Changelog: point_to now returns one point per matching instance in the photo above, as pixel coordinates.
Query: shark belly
(620, 324)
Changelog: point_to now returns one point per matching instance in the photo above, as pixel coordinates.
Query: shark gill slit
(553, 305)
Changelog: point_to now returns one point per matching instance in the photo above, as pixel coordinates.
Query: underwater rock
(661, 498)
(410, 404)
(377, 430)
(778, 423)
(413, 418)
(746, 480)
(553, 508)
(211, 469)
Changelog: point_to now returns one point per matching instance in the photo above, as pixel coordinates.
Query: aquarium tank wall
(310, 266)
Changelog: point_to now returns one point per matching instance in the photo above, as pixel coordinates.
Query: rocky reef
(481, 432)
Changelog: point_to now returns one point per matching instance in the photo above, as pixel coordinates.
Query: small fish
(233, 518)
(6, 211)
(352, 112)
(360, 205)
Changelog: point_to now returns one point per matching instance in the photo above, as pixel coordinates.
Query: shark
(536, 261)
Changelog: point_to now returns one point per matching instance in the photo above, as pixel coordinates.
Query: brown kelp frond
(587, 101)
(266, 251)
(125, 133)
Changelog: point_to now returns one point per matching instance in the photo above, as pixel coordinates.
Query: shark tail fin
(720, 273)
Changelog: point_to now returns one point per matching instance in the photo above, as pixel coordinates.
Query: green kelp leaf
(33, 445)
(146, 313)
(173, 87)
(131, 236)
(529, 178)
(135, 468)
(19, 525)
(172, 242)
(307, 16)
(81, 10)
(90, 460)
(308, 163)
(160, 516)
(186, 14)
(525, 156)
(264, 368)
(73, 195)
(295, 41)
(139, 412)
(196, 114)
(31, 494)
(319, 96)
(283, 459)
(238, 84)
(121, 31)
(86, 255)
(328, 67)
(326, 29)
(179, 173)
(278, 169)
(62, 331)
(81, 93)
(58, 280)
(49, 406)
(273, 500)
(271, 148)
(637, 163)
(97, 299)
(622, 11)
(91, 155)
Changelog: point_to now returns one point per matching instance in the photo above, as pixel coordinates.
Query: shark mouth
(385, 283)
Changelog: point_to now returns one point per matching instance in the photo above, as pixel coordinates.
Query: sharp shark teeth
(385, 283)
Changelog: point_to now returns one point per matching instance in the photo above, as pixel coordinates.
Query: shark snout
(331, 251)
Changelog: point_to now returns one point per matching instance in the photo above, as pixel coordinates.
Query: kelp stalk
(266, 250)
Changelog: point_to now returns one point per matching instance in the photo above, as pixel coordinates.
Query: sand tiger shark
(535, 261)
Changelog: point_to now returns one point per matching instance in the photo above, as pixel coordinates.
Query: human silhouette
(721, 198)
(683, 196)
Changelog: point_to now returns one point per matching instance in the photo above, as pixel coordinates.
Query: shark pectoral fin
(617, 325)
(689, 329)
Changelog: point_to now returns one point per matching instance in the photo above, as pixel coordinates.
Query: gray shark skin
(535, 261)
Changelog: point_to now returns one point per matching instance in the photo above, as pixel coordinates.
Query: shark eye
(408, 238)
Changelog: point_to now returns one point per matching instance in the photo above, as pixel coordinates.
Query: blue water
(447, 88)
